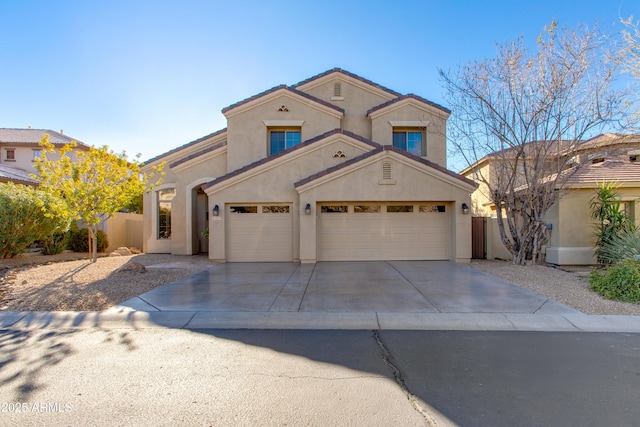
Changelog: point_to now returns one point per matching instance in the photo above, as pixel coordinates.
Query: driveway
(380, 286)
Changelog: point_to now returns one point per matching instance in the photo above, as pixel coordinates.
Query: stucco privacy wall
(411, 181)
(124, 229)
(273, 181)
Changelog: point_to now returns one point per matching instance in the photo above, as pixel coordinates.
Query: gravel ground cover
(70, 282)
(65, 282)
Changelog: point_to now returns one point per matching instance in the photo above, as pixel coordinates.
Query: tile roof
(281, 87)
(287, 151)
(188, 144)
(347, 73)
(17, 176)
(376, 151)
(198, 154)
(33, 136)
(408, 96)
(609, 170)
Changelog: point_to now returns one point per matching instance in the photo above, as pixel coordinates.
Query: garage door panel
(383, 235)
(259, 236)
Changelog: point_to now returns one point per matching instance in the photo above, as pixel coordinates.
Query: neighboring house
(335, 167)
(605, 158)
(19, 149)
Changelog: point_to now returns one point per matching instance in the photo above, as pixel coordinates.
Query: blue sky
(147, 76)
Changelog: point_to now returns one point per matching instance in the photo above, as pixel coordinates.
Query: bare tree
(527, 112)
(630, 59)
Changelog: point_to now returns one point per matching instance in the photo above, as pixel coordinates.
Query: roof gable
(174, 155)
(276, 159)
(387, 149)
(274, 92)
(410, 99)
(354, 78)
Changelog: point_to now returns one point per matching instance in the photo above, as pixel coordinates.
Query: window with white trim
(411, 140)
(282, 139)
(37, 153)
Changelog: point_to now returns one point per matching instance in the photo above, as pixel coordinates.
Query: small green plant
(624, 245)
(205, 233)
(54, 244)
(619, 282)
(79, 240)
(612, 221)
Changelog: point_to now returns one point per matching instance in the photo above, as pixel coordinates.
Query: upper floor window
(10, 155)
(281, 139)
(410, 140)
(37, 153)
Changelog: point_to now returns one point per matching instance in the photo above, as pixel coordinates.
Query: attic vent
(283, 108)
(633, 158)
(339, 155)
(597, 160)
(386, 170)
(337, 89)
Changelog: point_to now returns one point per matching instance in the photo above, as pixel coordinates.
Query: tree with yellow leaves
(95, 185)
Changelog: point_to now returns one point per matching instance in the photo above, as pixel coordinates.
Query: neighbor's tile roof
(609, 170)
(408, 96)
(287, 151)
(17, 176)
(280, 87)
(33, 136)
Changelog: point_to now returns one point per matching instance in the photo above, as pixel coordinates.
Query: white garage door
(259, 232)
(383, 231)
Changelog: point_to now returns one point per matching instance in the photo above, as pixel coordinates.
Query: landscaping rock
(133, 266)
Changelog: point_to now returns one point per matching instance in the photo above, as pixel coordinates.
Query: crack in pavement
(399, 379)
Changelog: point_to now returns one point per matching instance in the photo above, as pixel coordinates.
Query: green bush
(26, 216)
(619, 282)
(54, 244)
(79, 240)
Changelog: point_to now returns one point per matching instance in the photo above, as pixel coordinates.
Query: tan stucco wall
(24, 157)
(274, 183)
(248, 134)
(382, 131)
(412, 184)
(356, 102)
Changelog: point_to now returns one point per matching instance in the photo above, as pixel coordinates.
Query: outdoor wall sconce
(216, 210)
(307, 209)
(465, 208)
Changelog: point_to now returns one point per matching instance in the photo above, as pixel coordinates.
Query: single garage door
(383, 231)
(259, 232)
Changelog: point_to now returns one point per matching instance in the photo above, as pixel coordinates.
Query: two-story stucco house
(19, 149)
(335, 167)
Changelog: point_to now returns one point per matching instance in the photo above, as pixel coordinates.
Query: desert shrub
(619, 282)
(26, 216)
(79, 240)
(624, 245)
(54, 244)
(612, 222)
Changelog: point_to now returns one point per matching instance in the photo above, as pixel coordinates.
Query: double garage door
(383, 231)
(346, 232)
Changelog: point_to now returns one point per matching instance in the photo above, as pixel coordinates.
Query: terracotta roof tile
(33, 136)
(17, 176)
(609, 170)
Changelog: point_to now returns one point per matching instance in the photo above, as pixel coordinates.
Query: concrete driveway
(381, 286)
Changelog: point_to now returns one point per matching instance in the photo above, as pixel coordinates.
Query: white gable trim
(409, 101)
(409, 123)
(283, 123)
